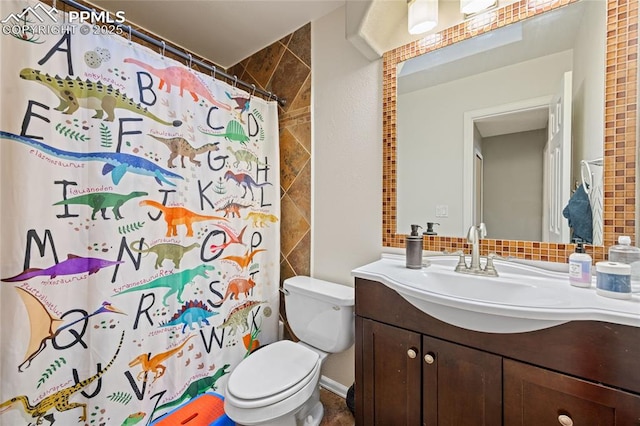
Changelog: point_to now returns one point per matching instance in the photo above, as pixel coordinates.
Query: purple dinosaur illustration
(244, 181)
(71, 266)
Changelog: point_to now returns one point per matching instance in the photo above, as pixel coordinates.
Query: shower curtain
(139, 219)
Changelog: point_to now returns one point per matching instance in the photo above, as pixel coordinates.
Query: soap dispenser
(430, 230)
(414, 249)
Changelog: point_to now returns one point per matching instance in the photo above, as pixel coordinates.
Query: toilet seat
(282, 412)
(272, 374)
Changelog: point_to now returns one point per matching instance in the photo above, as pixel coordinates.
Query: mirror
(474, 117)
(608, 139)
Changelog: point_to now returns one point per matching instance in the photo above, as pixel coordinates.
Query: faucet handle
(482, 230)
(462, 263)
(489, 268)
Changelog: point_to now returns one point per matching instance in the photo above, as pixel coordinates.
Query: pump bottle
(580, 268)
(414, 249)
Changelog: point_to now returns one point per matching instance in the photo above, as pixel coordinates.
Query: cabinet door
(461, 386)
(391, 375)
(534, 396)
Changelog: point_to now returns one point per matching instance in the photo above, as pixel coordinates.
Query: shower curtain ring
(213, 72)
(235, 81)
(269, 95)
(164, 46)
(253, 92)
(190, 59)
(54, 4)
(129, 34)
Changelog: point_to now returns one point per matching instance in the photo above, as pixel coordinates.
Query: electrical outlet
(442, 211)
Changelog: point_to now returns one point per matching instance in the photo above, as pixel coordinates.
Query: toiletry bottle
(430, 230)
(624, 252)
(414, 249)
(580, 267)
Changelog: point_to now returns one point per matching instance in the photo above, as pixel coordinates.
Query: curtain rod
(187, 56)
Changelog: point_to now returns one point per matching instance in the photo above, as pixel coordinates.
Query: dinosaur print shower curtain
(139, 223)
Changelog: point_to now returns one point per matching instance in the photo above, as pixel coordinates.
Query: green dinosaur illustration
(100, 201)
(234, 133)
(246, 156)
(174, 282)
(164, 251)
(196, 388)
(134, 419)
(238, 317)
(76, 93)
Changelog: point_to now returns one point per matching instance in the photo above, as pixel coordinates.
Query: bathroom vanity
(415, 369)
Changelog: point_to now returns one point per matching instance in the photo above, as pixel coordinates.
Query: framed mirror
(436, 178)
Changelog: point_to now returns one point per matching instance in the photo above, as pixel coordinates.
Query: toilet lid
(272, 370)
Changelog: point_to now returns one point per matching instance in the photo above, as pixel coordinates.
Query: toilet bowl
(279, 384)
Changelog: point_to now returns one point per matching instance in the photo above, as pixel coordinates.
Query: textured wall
(347, 163)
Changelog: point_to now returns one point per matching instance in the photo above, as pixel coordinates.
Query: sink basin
(492, 290)
(523, 298)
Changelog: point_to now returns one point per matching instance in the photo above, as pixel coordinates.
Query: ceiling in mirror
(620, 94)
(532, 38)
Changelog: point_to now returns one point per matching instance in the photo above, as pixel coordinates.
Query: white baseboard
(333, 386)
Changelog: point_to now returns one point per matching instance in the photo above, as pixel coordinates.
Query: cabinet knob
(565, 420)
(429, 358)
(411, 353)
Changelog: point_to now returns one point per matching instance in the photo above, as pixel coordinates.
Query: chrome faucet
(474, 235)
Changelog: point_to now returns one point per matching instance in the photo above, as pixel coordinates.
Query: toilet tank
(320, 313)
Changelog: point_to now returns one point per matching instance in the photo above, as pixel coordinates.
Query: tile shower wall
(284, 68)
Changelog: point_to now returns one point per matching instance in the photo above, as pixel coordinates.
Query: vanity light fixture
(472, 7)
(423, 15)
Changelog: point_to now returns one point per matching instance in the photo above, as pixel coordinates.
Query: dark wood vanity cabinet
(534, 396)
(412, 369)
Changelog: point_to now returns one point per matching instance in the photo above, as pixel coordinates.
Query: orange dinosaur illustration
(181, 77)
(245, 260)
(235, 287)
(175, 216)
(153, 364)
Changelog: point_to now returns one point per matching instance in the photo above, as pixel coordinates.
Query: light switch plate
(442, 211)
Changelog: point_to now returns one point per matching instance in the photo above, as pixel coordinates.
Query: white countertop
(523, 298)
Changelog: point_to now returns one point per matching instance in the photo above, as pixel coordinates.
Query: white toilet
(278, 384)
